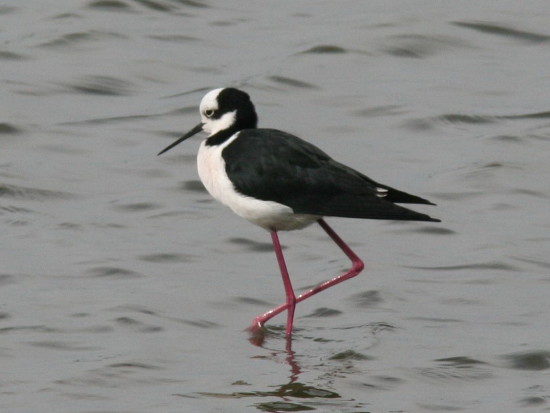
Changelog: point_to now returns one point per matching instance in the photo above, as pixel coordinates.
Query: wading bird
(281, 182)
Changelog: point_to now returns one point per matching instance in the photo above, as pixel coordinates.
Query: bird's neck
(221, 136)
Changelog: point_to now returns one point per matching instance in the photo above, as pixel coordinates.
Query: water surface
(125, 288)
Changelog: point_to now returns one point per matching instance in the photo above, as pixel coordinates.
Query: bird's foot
(257, 332)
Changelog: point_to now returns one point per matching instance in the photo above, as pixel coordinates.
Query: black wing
(276, 166)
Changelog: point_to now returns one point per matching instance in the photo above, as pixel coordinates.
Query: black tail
(364, 206)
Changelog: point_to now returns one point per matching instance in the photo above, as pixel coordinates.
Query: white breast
(266, 214)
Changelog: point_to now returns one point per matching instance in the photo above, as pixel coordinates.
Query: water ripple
(349, 355)
(534, 401)
(419, 46)
(193, 185)
(137, 206)
(109, 120)
(7, 9)
(469, 119)
(456, 368)
(111, 5)
(169, 6)
(5, 55)
(59, 345)
(367, 299)
(8, 129)
(433, 230)
(251, 301)
(113, 272)
(502, 30)
(103, 85)
(176, 38)
(167, 258)
(459, 196)
(529, 360)
(325, 49)
(156, 5)
(10, 209)
(19, 192)
(286, 81)
(474, 266)
(6, 279)
(138, 325)
(294, 389)
(78, 38)
(36, 328)
(540, 262)
(377, 111)
(283, 407)
(324, 312)
(133, 365)
(144, 327)
(253, 245)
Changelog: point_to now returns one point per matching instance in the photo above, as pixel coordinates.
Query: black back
(272, 165)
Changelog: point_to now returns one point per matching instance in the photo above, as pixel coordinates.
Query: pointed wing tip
(419, 201)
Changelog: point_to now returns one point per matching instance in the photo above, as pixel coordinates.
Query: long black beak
(192, 132)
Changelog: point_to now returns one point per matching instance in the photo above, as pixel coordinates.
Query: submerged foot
(257, 332)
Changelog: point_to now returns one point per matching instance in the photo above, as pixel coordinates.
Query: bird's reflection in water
(258, 338)
(291, 396)
(294, 388)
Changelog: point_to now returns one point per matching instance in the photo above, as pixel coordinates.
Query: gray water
(125, 288)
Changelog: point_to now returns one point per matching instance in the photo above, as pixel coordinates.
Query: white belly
(267, 214)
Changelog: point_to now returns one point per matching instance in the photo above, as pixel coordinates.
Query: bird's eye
(208, 113)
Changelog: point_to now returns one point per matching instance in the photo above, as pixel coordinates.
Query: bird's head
(223, 110)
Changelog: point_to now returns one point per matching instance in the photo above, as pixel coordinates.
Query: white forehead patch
(210, 100)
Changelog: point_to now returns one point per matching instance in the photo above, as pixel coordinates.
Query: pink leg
(356, 268)
(290, 297)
